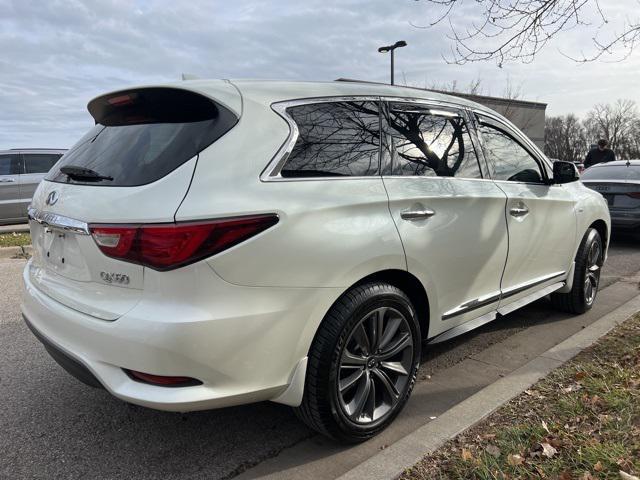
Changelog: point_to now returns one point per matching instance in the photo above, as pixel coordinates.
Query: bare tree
(565, 138)
(518, 29)
(615, 123)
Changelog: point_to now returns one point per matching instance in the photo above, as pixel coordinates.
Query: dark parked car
(619, 183)
(20, 173)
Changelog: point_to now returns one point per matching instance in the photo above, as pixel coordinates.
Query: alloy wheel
(375, 365)
(592, 274)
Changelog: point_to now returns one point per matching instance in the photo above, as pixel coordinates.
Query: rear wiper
(81, 173)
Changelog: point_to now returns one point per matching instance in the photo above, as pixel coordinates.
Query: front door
(540, 217)
(450, 219)
(9, 187)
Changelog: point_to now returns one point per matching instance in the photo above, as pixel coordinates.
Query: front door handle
(519, 210)
(417, 214)
(7, 180)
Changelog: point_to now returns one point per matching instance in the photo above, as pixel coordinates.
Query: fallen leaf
(587, 476)
(626, 476)
(598, 466)
(492, 450)
(547, 450)
(580, 375)
(544, 425)
(566, 475)
(467, 456)
(515, 460)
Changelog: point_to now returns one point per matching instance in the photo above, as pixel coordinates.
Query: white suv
(212, 243)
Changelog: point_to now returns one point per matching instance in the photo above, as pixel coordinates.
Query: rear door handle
(519, 210)
(417, 214)
(7, 180)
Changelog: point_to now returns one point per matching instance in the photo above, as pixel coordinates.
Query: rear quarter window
(335, 139)
(143, 135)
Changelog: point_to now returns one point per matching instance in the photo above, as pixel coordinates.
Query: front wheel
(586, 276)
(362, 364)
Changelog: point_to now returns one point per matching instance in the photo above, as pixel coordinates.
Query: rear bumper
(625, 220)
(243, 343)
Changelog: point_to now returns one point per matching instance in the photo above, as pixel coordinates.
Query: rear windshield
(142, 135)
(612, 172)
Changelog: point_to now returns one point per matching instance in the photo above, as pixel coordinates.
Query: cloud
(57, 55)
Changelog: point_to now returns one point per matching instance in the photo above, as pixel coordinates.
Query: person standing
(600, 154)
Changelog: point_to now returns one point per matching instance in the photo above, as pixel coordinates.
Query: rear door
(35, 167)
(450, 219)
(9, 187)
(541, 218)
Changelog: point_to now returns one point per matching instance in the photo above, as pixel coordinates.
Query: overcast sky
(58, 54)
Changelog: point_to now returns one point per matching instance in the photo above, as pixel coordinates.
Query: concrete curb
(391, 462)
(24, 251)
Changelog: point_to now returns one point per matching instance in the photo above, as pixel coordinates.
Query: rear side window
(431, 144)
(335, 139)
(612, 172)
(142, 135)
(39, 162)
(9, 164)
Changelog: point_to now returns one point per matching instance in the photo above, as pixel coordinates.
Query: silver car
(619, 184)
(21, 170)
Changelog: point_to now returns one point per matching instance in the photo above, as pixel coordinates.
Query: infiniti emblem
(52, 198)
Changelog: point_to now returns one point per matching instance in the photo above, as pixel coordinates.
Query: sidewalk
(393, 461)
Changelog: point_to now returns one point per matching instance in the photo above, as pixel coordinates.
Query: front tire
(362, 364)
(586, 276)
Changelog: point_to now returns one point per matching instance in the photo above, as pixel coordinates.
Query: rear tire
(362, 364)
(586, 276)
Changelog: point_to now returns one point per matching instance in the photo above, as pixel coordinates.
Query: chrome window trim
(271, 173)
(58, 222)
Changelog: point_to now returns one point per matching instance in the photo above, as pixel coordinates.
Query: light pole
(391, 48)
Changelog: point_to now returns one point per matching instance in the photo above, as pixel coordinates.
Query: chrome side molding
(58, 222)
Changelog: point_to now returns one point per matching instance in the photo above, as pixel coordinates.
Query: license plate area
(60, 252)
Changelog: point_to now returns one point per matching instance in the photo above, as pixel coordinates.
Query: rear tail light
(173, 245)
(634, 195)
(161, 380)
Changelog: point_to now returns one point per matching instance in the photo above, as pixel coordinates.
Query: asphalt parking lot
(52, 426)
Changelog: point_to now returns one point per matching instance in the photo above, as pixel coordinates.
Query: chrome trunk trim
(58, 222)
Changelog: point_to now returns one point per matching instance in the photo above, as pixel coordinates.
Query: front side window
(335, 139)
(40, 162)
(9, 164)
(510, 160)
(430, 143)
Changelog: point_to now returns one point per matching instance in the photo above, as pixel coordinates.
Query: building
(527, 116)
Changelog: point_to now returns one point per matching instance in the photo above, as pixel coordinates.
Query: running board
(464, 328)
(530, 298)
(489, 317)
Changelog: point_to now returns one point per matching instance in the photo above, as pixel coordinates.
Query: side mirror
(565, 172)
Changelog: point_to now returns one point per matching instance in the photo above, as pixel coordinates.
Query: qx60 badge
(117, 278)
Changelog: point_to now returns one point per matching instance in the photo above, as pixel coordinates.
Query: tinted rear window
(142, 135)
(612, 172)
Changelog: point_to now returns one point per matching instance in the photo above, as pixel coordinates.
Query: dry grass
(580, 423)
